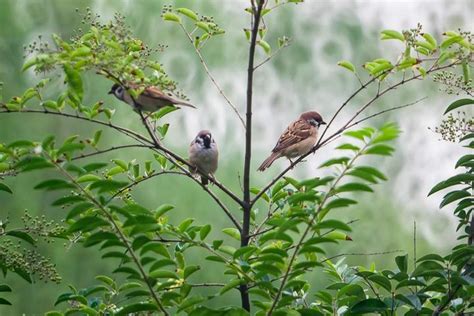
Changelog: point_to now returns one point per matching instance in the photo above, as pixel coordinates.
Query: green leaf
(183, 226)
(450, 41)
(88, 178)
(70, 147)
(190, 301)
(348, 147)
(107, 185)
(68, 200)
(332, 224)
(73, 78)
(232, 232)
(5, 188)
(382, 281)
(81, 51)
(392, 34)
(230, 285)
(454, 180)
(5, 288)
(226, 311)
(163, 274)
(402, 263)
(464, 160)
(453, 196)
(54, 184)
(457, 104)
(137, 307)
(346, 64)
(156, 248)
(21, 235)
(204, 231)
(430, 39)
(169, 16)
(162, 209)
(380, 149)
(266, 47)
(4, 302)
(189, 13)
(370, 305)
(190, 270)
(342, 202)
(87, 224)
(335, 161)
(78, 209)
(353, 186)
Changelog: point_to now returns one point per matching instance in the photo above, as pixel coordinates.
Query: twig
(121, 129)
(362, 254)
(279, 49)
(134, 183)
(385, 111)
(99, 152)
(208, 72)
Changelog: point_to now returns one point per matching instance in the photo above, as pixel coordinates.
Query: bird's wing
(295, 133)
(155, 93)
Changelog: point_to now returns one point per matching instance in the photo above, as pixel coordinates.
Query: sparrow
(298, 138)
(150, 100)
(203, 155)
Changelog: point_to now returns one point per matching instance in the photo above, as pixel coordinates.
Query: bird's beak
(110, 92)
(322, 123)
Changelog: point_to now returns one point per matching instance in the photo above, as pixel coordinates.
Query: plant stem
(247, 207)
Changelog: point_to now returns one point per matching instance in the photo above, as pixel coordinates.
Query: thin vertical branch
(208, 72)
(244, 237)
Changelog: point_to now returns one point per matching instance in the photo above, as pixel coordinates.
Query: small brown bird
(203, 155)
(298, 138)
(150, 100)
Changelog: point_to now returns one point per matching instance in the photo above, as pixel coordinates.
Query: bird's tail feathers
(179, 102)
(268, 162)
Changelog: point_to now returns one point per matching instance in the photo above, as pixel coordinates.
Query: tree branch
(247, 207)
(208, 72)
(113, 148)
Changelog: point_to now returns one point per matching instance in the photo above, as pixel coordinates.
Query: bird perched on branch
(203, 155)
(150, 100)
(298, 138)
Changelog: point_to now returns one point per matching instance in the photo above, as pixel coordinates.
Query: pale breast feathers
(295, 133)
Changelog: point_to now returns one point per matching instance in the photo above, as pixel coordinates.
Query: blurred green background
(302, 77)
